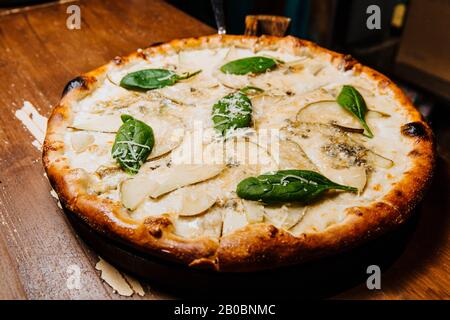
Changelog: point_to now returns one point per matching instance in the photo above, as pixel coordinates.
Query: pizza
(238, 153)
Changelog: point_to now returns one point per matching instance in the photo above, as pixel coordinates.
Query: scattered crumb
(55, 195)
(35, 123)
(135, 285)
(120, 282)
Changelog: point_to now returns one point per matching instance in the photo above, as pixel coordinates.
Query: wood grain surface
(39, 55)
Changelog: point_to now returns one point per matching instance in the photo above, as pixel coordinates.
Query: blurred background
(411, 46)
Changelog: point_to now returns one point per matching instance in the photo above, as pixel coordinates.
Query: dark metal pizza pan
(321, 278)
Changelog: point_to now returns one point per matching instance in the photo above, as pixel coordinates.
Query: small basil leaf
(149, 79)
(134, 142)
(249, 65)
(251, 90)
(350, 99)
(231, 112)
(287, 186)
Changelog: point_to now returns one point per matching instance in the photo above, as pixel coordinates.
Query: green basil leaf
(149, 79)
(350, 99)
(287, 186)
(251, 90)
(249, 65)
(134, 142)
(231, 112)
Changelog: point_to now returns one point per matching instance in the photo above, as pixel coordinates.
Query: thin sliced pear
(296, 65)
(253, 210)
(233, 220)
(163, 180)
(177, 176)
(168, 132)
(194, 204)
(109, 123)
(208, 224)
(292, 156)
(245, 159)
(109, 178)
(284, 216)
(379, 160)
(376, 114)
(353, 176)
(314, 68)
(193, 91)
(232, 54)
(134, 191)
(327, 112)
(81, 141)
(232, 81)
(187, 201)
(312, 144)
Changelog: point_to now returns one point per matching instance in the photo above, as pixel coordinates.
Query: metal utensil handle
(219, 15)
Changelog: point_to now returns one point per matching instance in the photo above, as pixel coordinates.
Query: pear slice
(228, 80)
(81, 141)
(232, 54)
(195, 90)
(327, 112)
(109, 123)
(177, 176)
(244, 159)
(232, 81)
(168, 131)
(163, 180)
(187, 201)
(292, 156)
(379, 161)
(253, 210)
(134, 191)
(233, 220)
(284, 216)
(313, 142)
(194, 203)
(208, 225)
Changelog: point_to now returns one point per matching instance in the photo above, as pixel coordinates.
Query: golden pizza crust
(256, 246)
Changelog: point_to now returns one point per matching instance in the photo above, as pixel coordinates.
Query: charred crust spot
(273, 231)
(78, 82)
(156, 232)
(380, 205)
(348, 62)
(414, 130)
(118, 60)
(358, 213)
(155, 226)
(54, 146)
(141, 54)
(383, 84)
(155, 44)
(415, 153)
(399, 193)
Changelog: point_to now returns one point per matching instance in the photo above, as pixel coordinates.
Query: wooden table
(37, 244)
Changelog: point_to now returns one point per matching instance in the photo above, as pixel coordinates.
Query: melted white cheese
(287, 90)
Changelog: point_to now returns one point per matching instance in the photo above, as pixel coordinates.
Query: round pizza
(238, 153)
